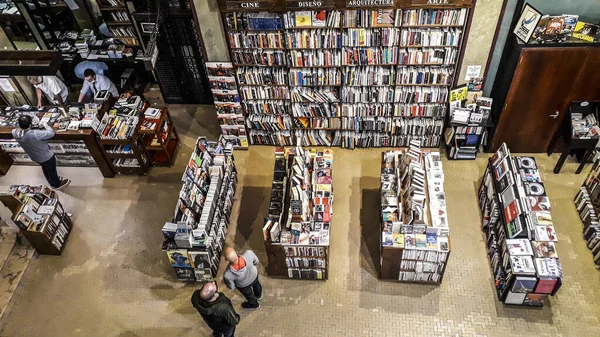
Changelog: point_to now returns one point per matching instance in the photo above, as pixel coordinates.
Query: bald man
(216, 310)
(241, 273)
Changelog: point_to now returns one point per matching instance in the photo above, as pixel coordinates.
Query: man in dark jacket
(216, 310)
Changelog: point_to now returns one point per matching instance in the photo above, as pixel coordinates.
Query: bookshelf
(195, 237)
(231, 116)
(467, 129)
(159, 137)
(519, 232)
(415, 243)
(120, 138)
(296, 230)
(117, 17)
(398, 60)
(40, 217)
(587, 202)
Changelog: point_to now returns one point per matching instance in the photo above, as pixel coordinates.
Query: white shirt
(52, 86)
(101, 83)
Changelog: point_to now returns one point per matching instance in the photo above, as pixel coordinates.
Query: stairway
(15, 255)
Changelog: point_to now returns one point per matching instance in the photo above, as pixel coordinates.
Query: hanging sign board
(370, 3)
(309, 4)
(249, 5)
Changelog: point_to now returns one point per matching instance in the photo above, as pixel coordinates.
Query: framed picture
(148, 27)
(527, 22)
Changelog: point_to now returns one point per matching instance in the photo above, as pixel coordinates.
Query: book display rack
(519, 232)
(415, 244)
(120, 138)
(159, 136)
(195, 237)
(40, 217)
(296, 231)
(587, 202)
(340, 76)
(221, 76)
(468, 129)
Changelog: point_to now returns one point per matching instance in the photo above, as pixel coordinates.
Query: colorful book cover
(319, 18)
(387, 239)
(545, 286)
(303, 19)
(179, 258)
(398, 240)
(432, 241)
(410, 241)
(512, 211)
(199, 259)
(544, 249)
(421, 240)
(586, 31)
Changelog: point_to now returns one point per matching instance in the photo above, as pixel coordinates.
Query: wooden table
(88, 136)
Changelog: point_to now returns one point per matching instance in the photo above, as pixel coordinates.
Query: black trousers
(224, 332)
(49, 169)
(252, 292)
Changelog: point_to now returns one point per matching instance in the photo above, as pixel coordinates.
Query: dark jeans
(252, 292)
(225, 333)
(49, 169)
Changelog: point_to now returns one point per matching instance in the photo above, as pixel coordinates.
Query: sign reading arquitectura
(264, 5)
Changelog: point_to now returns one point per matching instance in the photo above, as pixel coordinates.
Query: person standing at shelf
(51, 86)
(216, 310)
(35, 145)
(95, 82)
(241, 273)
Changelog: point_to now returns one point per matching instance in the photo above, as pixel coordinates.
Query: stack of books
(520, 234)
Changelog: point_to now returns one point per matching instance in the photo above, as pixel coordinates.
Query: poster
(527, 22)
(473, 71)
(458, 94)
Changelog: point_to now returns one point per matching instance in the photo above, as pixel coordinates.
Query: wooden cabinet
(530, 105)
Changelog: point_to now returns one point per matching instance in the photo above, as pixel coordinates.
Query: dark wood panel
(540, 88)
(276, 260)
(390, 263)
(587, 87)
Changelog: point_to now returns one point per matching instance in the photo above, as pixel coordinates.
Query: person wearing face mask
(216, 310)
(93, 83)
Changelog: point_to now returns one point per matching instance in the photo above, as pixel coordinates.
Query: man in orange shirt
(241, 273)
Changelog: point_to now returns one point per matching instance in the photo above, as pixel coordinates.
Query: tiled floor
(114, 281)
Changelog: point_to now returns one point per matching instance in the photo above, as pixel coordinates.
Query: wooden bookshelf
(162, 152)
(432, 134)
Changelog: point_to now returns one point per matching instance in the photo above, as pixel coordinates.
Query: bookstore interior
(378, 85)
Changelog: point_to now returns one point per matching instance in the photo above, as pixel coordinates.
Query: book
(303, 19)
(512, 211)
(546, 286)
(544, 249)
(179, 258)
(421, 240)
(514, 298)
(539, 204)
(548, 267)
(185, 274)
(519, 247)
(410, 241)
(522, 265)
(545, 233)
(319, 18)
(387, 239)
(586, 31)
(398, 240)
(524, 284)
(199, 259)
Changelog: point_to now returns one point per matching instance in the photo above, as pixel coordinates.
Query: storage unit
(162, 141)
(339, 76)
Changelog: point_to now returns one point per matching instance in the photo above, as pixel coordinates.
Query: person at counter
(95, 82)
(34, 143)
(54, 89)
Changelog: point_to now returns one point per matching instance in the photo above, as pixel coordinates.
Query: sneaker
(63, 183)
(260, 298)
(247, 306)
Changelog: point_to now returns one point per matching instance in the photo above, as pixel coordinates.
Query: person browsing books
(55, 90)
(241, 273)
(216, 310)
(93, 83)
(35, 145)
